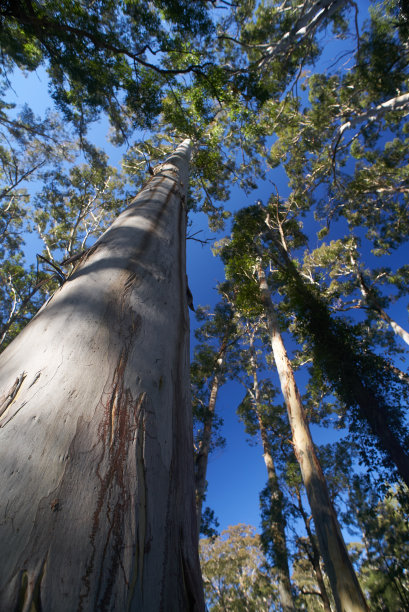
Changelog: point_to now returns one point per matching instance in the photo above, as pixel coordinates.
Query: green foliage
(23, 290)
(239, 79)
(383, 558)
(96, 54)
(30, 149)
(209, 523)
(381, 66)
(362, 380)
(234, 573)
(76, 206)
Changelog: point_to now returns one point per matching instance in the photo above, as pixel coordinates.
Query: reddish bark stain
(117, 433)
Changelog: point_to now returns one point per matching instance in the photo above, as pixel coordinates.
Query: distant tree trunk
(314, 557)
(96, 467)
(202, 456)
(277, 525)
(347, 592)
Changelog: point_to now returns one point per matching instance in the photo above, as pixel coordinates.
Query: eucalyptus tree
(346, 152)
(104, 56)
(342, 141)
(309, 579)
(307, 556)
(231, 109)
(122, 59)
(374, 393)
(69, 211)
(245, 260)
(97, 463)
(235, 573)
(381, 521)
(258, 414)
(76, 204)
(29, 149)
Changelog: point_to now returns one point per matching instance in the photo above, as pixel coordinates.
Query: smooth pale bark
(311, 18)
(97, 506)
(372, 303)
(277, 526)
(345, 587)
(314, 557)
(397, 103)
(401, 375)
(202, 457)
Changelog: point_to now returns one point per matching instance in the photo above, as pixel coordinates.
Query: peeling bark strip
(97, 510)
(11, 394)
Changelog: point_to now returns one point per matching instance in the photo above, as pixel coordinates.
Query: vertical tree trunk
(96, 468)
(202, 457)
(314, 557)
(277, 526)
(347, 592)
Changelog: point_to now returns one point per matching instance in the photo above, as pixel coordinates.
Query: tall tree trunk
(314, 557)
(277, 526)
(347, 592)
(97, 506)
(202, 457)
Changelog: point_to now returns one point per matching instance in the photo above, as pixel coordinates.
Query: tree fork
(96, 452)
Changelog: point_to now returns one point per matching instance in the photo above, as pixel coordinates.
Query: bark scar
(11, 395)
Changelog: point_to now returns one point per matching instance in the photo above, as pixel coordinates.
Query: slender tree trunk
(277, 525)
(315, 557)
(347, 592)
(97, 505)
(202, 457)
(278, 530)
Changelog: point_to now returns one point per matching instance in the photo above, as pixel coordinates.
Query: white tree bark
(345, 586)
(397, 103)
(97, 508)
(312, 14)
(277, 524)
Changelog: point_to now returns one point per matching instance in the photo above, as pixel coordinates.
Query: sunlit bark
(347, 592)
(277, 526)
(97, 505)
